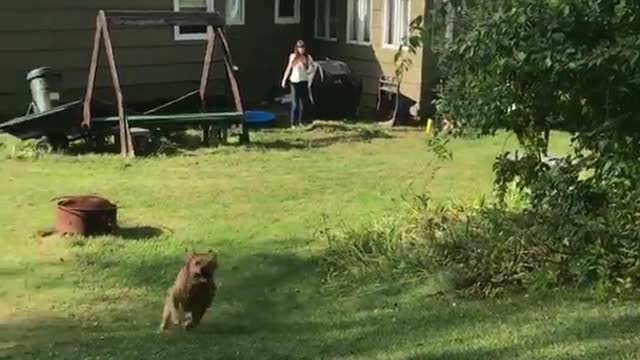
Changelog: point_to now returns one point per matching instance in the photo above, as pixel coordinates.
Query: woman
(300, 71)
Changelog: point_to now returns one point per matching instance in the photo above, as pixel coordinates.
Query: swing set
(209, 121)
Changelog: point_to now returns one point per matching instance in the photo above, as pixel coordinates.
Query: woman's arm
(287, 71)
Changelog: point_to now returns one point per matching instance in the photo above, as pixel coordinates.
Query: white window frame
(178, 36)
(242, 15)
(350, 18)
(295, 19)
(327, 21)
(386, 22)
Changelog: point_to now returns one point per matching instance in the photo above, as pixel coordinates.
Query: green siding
(152, 64)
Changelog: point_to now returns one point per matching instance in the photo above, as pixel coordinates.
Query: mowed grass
(260, 208)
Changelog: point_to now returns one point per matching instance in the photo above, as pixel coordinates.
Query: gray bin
(45, 88)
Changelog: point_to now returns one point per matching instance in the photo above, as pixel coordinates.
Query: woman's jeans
(299, 98)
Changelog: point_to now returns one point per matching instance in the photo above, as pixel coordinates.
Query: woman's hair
(298, 56)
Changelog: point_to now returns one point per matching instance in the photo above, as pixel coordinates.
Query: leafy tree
(530, 66)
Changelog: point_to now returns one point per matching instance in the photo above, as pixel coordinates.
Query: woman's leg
(294, 104)
(299, 99)
(306, 101)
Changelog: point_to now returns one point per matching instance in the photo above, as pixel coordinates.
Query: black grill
(336, 92)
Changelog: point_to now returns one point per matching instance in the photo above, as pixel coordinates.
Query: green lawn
(260, 207)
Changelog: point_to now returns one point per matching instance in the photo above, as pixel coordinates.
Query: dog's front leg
(167, 315)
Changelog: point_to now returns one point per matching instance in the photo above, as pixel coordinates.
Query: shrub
(493, 248)
(529, 66)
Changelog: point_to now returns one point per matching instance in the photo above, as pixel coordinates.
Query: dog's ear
(187, 255)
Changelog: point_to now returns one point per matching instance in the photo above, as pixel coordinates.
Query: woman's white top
(298, 71)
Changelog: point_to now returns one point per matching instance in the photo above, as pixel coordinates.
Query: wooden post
(208, 64)
(233, 82)
(91, 81)
(204, 80)
(126, 143)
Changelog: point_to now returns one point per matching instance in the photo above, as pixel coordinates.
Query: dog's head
(201, 266)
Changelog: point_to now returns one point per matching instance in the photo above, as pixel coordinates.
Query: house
(163, 63)
(366, 34)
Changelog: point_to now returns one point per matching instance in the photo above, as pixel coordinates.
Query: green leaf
(548, 62)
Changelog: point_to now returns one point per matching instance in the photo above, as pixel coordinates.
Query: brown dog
(192, 293)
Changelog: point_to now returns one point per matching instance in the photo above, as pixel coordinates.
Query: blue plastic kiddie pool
(259, 118)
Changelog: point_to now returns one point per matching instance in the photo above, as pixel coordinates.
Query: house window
(359, 22)
(235, 12)
(396, 21)
(287, 11)
(326, 19)
(192, 32)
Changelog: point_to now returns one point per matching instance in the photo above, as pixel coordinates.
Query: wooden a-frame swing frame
(214, 23)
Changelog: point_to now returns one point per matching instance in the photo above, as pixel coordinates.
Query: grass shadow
(180, 142)
(138, 232)
(313, 138)
(166, 143)
(271, 305)
(25, 339)
(458, 354)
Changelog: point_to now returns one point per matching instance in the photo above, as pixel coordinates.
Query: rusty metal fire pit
(85, 216)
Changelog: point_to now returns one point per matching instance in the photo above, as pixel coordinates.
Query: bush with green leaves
(489, 249)
(530, 66)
